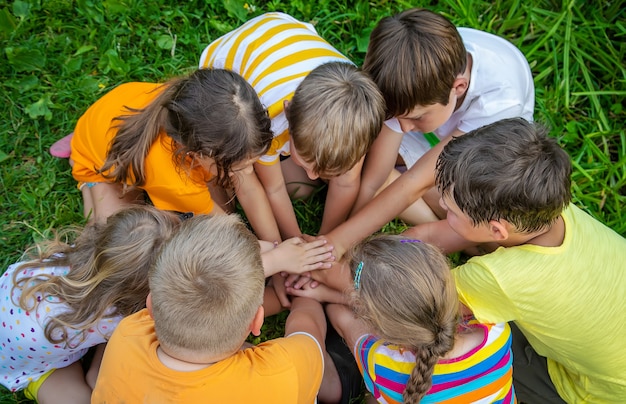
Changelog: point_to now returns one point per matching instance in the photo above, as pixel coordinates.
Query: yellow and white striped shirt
(274, 52)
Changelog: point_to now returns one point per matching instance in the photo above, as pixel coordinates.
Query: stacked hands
(293, 262)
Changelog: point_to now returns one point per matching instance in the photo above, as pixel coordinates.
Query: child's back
(559, 273)
(70, 298)
(206, 292)
(409, 343)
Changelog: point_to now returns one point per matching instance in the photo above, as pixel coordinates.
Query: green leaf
(41, 108)
(7, 21)
(21, 9)
(25, 60)
(88, 85)
(3, 156)
(24, 84)
(165, 42)
(84, 49)
(116, 6)
(115, 62)
(236, 9)
(73, 64)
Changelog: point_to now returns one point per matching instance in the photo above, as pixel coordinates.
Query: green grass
(58, 57)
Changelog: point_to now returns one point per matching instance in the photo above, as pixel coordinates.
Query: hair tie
(357, 276)
(410, 240)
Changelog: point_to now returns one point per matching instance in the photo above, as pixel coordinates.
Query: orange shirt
(284, 370)
(168, 186)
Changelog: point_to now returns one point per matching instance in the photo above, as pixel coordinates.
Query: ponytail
(213, 112)
(137, 131)
(421, 315)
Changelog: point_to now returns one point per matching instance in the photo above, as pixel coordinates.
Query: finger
(301, 282)
(316, 244)
(291, 279)
(297, 292)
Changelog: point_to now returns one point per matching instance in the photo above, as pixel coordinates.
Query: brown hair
(406, 294)
(507, 170)
(335, 115)
(414, 58)
(207, 285)
(214, 112)
(108, 269)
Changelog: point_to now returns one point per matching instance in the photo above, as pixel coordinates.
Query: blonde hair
(214, 112)
(335, 115)
(406, 294)
(414, 58)
(207, 285)
(108, 264)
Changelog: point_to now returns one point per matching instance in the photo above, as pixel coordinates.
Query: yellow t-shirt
(569, 301)
(168, 186)
(285, 370)
(274, 52)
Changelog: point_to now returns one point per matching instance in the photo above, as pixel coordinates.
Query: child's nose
(407, 125)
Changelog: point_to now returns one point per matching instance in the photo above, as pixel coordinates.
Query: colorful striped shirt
(483, 375)
(274, 52)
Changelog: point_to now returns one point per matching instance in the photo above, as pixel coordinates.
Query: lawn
(59, 56)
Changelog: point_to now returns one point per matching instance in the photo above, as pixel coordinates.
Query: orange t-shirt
(168, 186)
(285, 370)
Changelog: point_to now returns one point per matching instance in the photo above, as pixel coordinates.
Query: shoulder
(302, 339)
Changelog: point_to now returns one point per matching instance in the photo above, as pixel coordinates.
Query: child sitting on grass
(436, 78)
(179, 142)
(70, 297)
(206, 295)
(325, 115)
(408, 338)
(558, 274)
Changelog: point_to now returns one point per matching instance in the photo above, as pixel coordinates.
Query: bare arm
(307, 315)
(271, 177)
(391, 201)
(440, 234)
(342, 193)
(255, 204)
(343, 320)
(380, 160)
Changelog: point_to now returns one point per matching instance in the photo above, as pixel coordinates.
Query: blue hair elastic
(410, 240)
(357, 276)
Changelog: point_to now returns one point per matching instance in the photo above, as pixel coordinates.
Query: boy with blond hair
(325, 115)
(188, 345)
(438, 81)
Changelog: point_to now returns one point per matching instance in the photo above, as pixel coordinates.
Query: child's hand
(296, 256)
(278, 283)
(320, 292)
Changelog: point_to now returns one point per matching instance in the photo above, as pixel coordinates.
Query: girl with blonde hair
(408, 338)
(70, 296)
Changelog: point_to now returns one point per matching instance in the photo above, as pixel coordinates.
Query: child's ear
(460, 85)
(499, 230)
(257, 322)
(149, 304)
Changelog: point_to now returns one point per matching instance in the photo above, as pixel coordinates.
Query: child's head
(508, 170)
(415, 57)
(211, 114)
(217, 114)
(334, 116)
(405, 292)
(109, 265)
(206, 287)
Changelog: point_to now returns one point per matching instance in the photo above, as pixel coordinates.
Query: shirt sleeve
(308, 358)
(481, 292)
